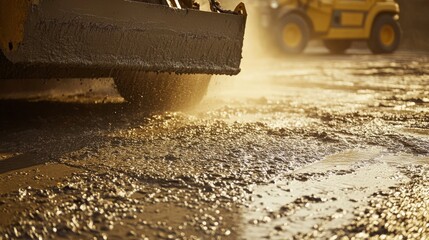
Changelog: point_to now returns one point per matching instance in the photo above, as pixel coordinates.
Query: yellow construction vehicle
(159, 52)
(292, 23)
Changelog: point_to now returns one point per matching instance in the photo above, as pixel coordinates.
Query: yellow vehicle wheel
(293, 34)
(385, 35)
(337, 46)
(161, 91)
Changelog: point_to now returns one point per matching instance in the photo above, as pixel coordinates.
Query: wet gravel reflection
(110, 171)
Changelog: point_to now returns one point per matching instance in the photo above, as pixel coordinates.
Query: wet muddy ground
(316, 146)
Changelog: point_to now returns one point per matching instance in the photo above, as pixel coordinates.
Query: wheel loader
(159, 52)
(290, 24)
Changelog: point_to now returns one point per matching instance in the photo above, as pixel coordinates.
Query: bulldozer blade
(88, 38)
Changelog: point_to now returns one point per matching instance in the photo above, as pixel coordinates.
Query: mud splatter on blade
(72, 38)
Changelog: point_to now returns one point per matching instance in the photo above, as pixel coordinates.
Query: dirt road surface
(316, 146)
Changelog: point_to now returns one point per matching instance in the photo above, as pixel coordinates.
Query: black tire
(162, 91)
(291, 44)
(380, 45)
(336, 46)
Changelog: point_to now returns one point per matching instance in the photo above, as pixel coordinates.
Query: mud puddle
(324, 195)
(264, 155)
(25, 180)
